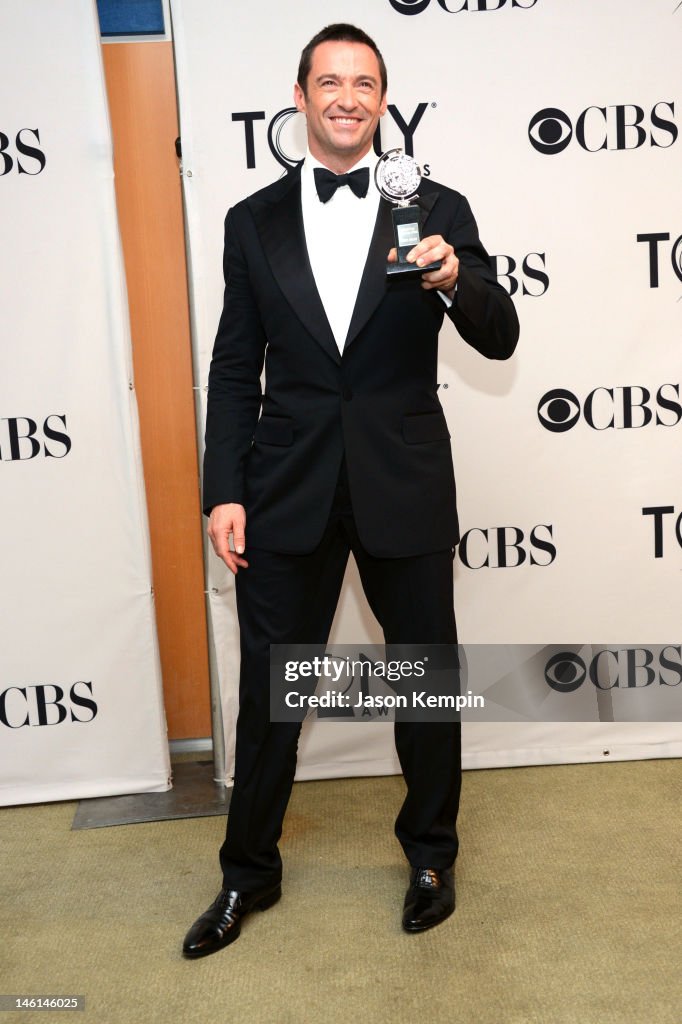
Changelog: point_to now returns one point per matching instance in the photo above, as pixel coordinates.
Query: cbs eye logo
(565, 672)
(550, 130)
(409, 6)
(558, 410)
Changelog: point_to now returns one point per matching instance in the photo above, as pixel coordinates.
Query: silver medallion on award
(398, 176)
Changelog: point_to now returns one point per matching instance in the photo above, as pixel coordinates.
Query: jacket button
(346, 393)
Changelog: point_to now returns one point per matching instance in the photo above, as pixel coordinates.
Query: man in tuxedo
(347, 449)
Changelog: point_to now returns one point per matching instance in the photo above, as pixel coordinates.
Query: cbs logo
(11, 155)
(618, 408)
(453, 7)
(615, 668)
(618, 127)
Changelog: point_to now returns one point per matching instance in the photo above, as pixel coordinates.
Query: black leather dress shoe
(429, 899)
(221, 923)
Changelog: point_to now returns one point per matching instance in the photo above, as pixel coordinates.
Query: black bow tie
(326, 182)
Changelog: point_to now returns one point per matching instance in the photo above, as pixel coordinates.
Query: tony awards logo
(397, 176)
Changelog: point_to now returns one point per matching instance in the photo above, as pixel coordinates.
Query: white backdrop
(80, 696)
(560, 123)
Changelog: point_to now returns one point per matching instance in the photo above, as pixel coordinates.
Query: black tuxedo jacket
(278, 453)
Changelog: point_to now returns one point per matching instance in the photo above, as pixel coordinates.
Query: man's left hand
(428, 251)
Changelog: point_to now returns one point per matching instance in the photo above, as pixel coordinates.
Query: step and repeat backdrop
(561, 124)
(81, 711)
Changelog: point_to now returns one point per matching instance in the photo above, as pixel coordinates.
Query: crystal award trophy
(397, 176)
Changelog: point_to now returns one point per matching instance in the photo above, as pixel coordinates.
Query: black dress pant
(292, 599)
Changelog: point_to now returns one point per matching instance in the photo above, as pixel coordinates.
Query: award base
(407, 235)
(403, 269)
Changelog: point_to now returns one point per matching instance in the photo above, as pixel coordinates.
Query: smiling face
(342, 103)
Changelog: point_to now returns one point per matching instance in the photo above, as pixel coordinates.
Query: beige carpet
(569, 910)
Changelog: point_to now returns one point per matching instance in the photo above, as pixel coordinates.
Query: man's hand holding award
(397, 177)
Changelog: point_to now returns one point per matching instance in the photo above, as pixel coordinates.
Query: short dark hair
(338, 33)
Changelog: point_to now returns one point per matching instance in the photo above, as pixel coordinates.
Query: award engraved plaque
(397, 176)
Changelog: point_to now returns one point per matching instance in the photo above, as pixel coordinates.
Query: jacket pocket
(274, 430)
(426, 426)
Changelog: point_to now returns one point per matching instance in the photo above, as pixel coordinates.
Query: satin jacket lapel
(279, 221)
(426, 203)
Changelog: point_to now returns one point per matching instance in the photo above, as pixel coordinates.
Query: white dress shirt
(337, 236)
